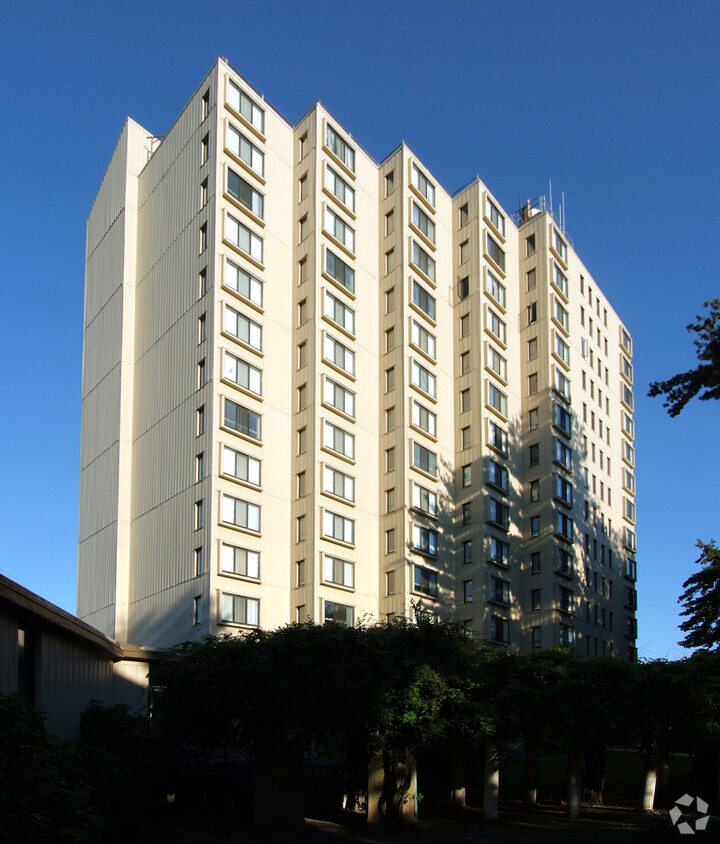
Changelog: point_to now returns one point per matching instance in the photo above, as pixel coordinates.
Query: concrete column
(492, 782)
(574, 779)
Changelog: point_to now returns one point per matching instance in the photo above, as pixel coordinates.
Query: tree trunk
(391, 789)
(595, 759)
(529, 786)
(279, 787)
(457, 772)
(492, 782)
(574, 779)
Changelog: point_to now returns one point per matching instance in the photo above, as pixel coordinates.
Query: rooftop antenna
(551, 205)
(563, 211)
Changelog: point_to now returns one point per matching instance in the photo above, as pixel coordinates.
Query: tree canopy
(684, 386)
(701, 601)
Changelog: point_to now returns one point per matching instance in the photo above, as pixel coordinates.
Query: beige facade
(308, 394)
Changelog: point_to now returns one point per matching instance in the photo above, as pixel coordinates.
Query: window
(242, 282)
(340, 148)
(424, 186)
(303, 230)
(241, 102)
(203, 237)
(627, 396)
(536, 637)
(240, 513)
(245, 149)
(390, 379)
(492, 212)
(423, 339)
(562, 350)
(200, 421)
(241, 419)
(242, 237)
(535, 562)
(240, 561)
(627, 368)
(532, 383)
(198, 610)
(339, 614)
(534, 454)
(243, 374)
(300, 528)
(495, 252)
(340, 313)
(424, 379)
(301, 355)
(629, 481)
(534, 526)
(497, 437)
(301, 485)
(499, 513)
(562, 384)
(340, 355)
(425, 540)
(629, 509)
(389, 340)
(499, 629)
(424, 459)
(242, 327)
(464, 252)
(425, 581)
(464, 400)
(423, 261)
(338, 527)
(535, 603)
(201, 373)
(567, 635)
(563, 490)
(530, 244)
(338, 483)
(561, 315)
(199, 467)
(424, 419)
(465, 438)
(303, 188)
(534, 490)
(464, 288)
(495, 325)
(498, 475)
(467, 551)
(389, 500)
(463, 215)
(566, 599)
(339, 270)
(467, 513)
(563, 454)
(237, 609)
(533, 419)
(497, 399)
(565, 562)
(495, 288)
(499, 551)
(205, 105)
(389, 261)
(339, 229)
(339, 188)
(422, 222)
(390, 300)
(564, 526)
(338, 571)
(423, 300)
(199, 562)
(628, 425)
(204, 149)
(628, 452)
(465, 325)
(202, 283)
(389, 183)
(199, 514)
(338, 397)
(559, 246)
(390, 543)
(563, 419)
(496, 362)
(302, 441)
(389, 223)
(245, 193)
(466, 476)
(240, 466)
(202, 328)
(424, 499)
(560, 281)
(626, 341)
(204, 193)
(464, 363)
(390, 460)
(530, 280)
(532, 313)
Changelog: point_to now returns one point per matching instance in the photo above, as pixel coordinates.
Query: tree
(679, 389)
(701, 600)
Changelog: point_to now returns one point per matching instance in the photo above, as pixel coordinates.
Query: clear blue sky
(616, 102)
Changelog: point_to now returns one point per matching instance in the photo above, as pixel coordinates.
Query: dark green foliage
(701, 601)
(679, 389)
(42, 798)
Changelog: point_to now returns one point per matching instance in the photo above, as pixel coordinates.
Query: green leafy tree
(701, 601)
(684, 386)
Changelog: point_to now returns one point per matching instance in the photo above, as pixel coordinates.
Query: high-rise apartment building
(319, 387)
